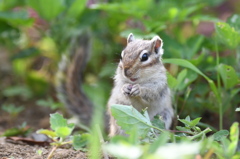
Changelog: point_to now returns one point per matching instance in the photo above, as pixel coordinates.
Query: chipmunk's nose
(127, 72)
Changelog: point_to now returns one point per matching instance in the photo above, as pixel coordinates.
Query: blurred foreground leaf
(234, 137)
(129, 118)
(119, 150)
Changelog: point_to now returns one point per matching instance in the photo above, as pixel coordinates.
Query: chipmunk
(140, 81)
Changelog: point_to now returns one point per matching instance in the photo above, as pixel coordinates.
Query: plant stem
(105, 155)
(201, 133)
(52, 151)
(68, 142)
(176, 131)
(185, 100)
(209, 154)
(219, 89)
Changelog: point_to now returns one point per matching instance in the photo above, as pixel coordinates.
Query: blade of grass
(189, 65)
(219, 89)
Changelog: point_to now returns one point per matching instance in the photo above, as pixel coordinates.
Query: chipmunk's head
(140, 57)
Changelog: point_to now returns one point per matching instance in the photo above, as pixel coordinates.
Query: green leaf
(39, 152)
(189, 77)
(188, 122)
(57, 120)
(180, 128)
(172, 82)
(227, 34)
(29, 52)
(21, 91)
(234, 137)
(180, 78)
(188, 118)
(187, 64)
(49, 102)
(195, 121)
(234, 21)
(134, 8)
(80, 141)
(158, 122)
(16, 18)
(12, 109)
(228, 75)
(63, 131)
(128, 117)
(193, 45)
(218, 136)
(76, 8)
(49, 133)
(137, 34)
(10, 4)
(185, 122)
(47, 9)
(16, 131)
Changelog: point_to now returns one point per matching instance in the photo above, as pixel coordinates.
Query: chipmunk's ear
(157, 45)
(130, 38)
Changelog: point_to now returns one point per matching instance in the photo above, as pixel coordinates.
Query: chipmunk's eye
(144, 57)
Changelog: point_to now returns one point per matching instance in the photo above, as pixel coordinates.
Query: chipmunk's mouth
(133, 79)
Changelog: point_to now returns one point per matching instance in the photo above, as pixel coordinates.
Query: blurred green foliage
(35, 33)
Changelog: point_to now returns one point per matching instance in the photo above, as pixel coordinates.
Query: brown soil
(19, 151)
(36, 117)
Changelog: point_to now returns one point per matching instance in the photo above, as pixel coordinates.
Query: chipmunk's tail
(69, 79)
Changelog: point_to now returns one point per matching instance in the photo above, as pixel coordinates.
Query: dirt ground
(19, 151)
(37, 118)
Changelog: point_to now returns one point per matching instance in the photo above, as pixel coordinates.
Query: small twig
(67, 142)
(174, 131)
(51, 153)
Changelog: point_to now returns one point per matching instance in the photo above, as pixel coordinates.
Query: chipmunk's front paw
(135, 90)
(126, 89)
